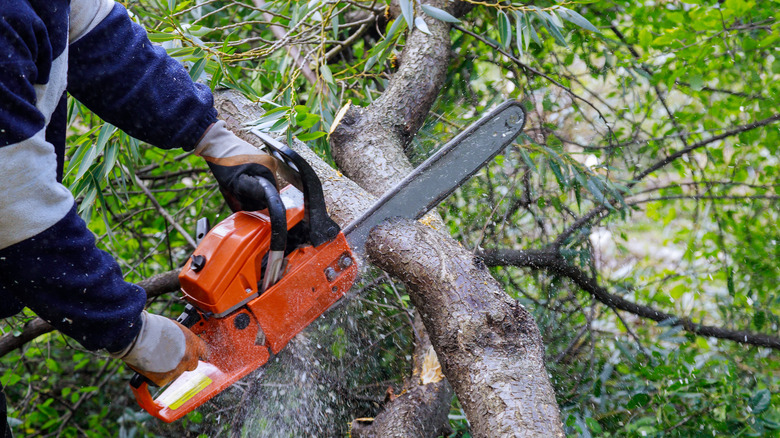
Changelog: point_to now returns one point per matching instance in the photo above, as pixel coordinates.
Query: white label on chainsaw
(189, 384)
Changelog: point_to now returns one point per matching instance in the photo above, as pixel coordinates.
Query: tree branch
(601, 209)
(490, 347)
(368, 145)
(553, 262)
(697, 145)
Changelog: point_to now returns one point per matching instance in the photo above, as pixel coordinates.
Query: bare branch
(553, 262)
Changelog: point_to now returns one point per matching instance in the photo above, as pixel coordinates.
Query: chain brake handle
(321, 227)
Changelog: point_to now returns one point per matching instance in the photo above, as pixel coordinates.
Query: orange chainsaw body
(241, 325)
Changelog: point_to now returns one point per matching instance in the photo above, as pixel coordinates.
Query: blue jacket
(92, 50)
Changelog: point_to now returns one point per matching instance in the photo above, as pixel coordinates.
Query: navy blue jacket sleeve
(77, 288)
(120, 75)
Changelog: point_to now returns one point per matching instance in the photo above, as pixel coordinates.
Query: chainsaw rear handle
(140, 387)
(260, 187)
(321, 227)
(139, 379)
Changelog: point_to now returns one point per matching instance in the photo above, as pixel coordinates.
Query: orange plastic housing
(239, 326)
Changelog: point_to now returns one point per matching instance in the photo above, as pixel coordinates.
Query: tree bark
(368, 145)
(489, 345)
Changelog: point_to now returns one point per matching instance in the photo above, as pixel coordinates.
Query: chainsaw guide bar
(441, 174)
(257, 279)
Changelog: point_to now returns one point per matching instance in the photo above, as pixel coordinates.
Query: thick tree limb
(490, 347)
(154, 286)
(553, 262)
(368, 144)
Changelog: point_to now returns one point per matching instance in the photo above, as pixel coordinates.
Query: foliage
(624, 101)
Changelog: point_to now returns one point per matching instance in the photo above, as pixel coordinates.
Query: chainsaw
(259, 278)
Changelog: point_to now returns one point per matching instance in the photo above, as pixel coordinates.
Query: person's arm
(129, 82)
(48, 258)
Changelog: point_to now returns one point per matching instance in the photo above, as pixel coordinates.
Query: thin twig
(163, 212)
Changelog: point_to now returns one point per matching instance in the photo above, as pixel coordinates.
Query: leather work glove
(229, 157)
(162, 350)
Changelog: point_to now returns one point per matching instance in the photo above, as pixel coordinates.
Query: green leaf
(159, 37)
(180, 52)
(53, 365)
(369, 63)
(759, 319)
(730, 281)
(86, 162)
(311, 136)
(638, 401)
(697, 83)
(109, 159)
(439, 14)
(528, 161)
(308, 121)
(197, 68)
(408, 11)
(577, 19)
(678, 291)
(504, 29)
(554, 19)
(593, 188)
(519, 31)
(420, 23)
(272, 115)
(556, 170)
(593, 425)
(626, 352)
(397, 24)
(530, 29)
(334, 23)
(760, 401)
(645, 38)
(327, 76)
(546, 20)
(84, 146)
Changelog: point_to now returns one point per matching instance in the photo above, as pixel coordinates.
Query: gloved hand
(229, 157)
(162, 350)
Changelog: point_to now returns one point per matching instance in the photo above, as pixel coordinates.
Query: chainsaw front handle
(321, 227)
(260, 187)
